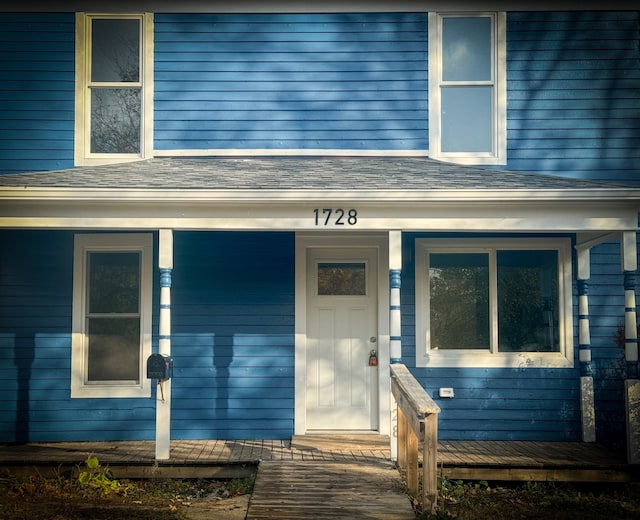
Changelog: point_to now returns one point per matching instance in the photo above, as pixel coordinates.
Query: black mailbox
(159, 367)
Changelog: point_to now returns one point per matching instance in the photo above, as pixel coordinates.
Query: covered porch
(482, 460)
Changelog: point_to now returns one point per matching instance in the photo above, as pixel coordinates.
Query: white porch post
(163, 395)
(632, 381)
(395, 328)
(587, 404)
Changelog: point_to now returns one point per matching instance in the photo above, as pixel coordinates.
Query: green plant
(100, 477)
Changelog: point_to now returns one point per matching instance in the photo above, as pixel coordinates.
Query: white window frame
(82, 141)
(85, 243)
(492, 358)
(498, 156)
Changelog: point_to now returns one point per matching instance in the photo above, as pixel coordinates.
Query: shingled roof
(295, 173)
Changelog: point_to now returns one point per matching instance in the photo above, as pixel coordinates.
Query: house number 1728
(335, 217)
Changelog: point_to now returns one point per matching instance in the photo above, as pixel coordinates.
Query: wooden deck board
(321, 489)
(483, 460)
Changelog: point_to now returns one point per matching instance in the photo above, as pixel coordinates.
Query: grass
(535, 500)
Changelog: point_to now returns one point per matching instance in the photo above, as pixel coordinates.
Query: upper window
(487, 303)
(113, 88)
(111, 315)
(467, 88)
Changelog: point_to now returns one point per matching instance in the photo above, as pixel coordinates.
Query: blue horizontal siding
(37, 82)
(35, 351)
(573, 89)
(233, 335)
(491, 403)
(333, 81)
(606, 309)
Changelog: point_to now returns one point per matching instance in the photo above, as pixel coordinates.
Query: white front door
(342, 389)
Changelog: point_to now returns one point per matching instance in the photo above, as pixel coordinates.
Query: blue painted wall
(347, 81)
(36, 273)
(329, 81)
(606, 308)
(573, 89)
(37, 63)
(492, 403)
(233, 335)
(301, 81)
(233, 342)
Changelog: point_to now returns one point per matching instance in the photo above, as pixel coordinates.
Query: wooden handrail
(417, 422)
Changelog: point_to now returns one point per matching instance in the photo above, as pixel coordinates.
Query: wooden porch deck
(486, 460)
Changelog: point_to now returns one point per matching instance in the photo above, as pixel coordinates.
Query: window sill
(111, 391)
(470, 359)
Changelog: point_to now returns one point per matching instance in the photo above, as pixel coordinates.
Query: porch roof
(297, 173)
(283, 193)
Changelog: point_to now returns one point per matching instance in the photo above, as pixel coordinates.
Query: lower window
(494, 303)
(111, 315)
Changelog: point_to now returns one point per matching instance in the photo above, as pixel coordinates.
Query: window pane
(114, 282)
(528, 301)
(466, 49)
(115, 50)
(115, 120)
(467, 119)
(114, 349)
(459, 300)
(342, 279)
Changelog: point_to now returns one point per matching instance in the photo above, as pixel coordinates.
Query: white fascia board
(379, 211)
(522, 196)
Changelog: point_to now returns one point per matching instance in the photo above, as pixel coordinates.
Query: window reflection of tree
(115, 109)
(527, 306)
(113, 320)
(459, 307)
(115, 120)
(341, 279)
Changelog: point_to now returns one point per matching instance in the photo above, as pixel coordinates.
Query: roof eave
(117, 195)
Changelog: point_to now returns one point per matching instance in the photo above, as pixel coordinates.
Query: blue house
(276, 202)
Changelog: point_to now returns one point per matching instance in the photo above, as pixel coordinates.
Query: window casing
(111, 341)
(114, 88)
(467, 88)
(494, 303)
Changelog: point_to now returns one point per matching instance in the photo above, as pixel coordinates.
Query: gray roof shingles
(294, 173)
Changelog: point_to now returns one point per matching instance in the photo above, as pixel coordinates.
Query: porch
(484, 460)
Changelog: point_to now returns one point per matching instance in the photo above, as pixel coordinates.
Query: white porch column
(163, 394)
(587, 402)
(395, 277)
(632, 381)
(395, 325)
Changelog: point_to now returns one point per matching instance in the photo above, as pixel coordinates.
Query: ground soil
(37, 498)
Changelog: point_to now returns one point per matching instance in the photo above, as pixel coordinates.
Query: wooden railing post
(402, 440)
(417, 422)
(430, 462)
(412, 462)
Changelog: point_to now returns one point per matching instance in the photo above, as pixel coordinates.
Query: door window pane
(467, 119)
(466, 49)
(115, 51)
(528, 301)
(459, 300)
(342, 279)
